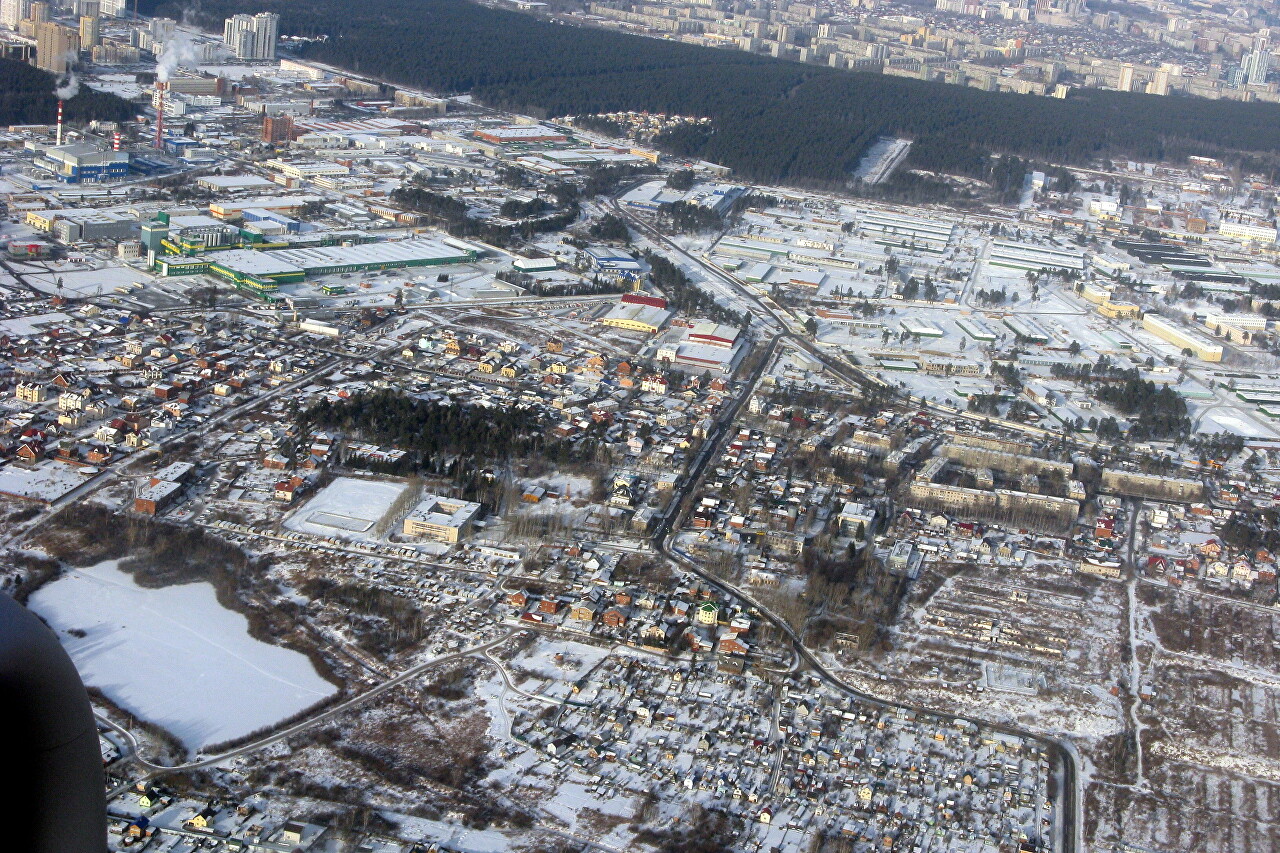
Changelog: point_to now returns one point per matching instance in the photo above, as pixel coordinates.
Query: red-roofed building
(644, 299)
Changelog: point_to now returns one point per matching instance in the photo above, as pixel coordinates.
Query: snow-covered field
(347, 507)
(83, 283)
(33, 324)
(47, 482)
(175, 656)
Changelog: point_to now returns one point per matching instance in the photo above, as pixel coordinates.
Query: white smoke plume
(178, 50)
(68, 88)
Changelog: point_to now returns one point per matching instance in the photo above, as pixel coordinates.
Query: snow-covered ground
(347, 507)
(33, 324)
(84, 283)
(46, 482)
(175, 656)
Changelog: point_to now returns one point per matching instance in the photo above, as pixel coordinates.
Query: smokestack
(160, 87)
(115, 141)
(59, 121)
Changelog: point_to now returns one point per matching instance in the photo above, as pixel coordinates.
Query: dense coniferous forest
(772, 120)
(26, 97)
(441, 434)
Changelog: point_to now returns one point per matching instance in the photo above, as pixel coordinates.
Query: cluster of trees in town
(916, 289)
(1249, 530)
(26, 97)
(771, 120)
(685, 217)
(601, 125)
(451, 214)
(681, 179)
(1155, 411)
(685, 296)
(382, 621)
(156, 553)
(911, 187)
(562, 287)
(611, 228)
(985, 404)
(514, 208)
(992, 297)
(440, 434)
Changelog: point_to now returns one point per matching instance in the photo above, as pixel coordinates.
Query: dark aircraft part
(50, 741)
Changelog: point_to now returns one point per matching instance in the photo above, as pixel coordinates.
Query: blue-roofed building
(75, 164)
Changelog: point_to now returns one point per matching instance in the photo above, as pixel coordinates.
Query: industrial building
(890, 229)
(75, 164)
(288, 205)
(163, 488)
(976, 329)
(607, 259)
(508, 134)
(1027, 329)
(233, 183)
(263, 270)
(306, 170)
(713, 334)
(920, 328)
(1034, 258)
(637, 318)
(155, 498)
(94, 225)
(1184, 339)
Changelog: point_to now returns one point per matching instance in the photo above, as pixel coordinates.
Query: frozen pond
(175, 656)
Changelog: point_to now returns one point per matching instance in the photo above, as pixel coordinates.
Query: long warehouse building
(1167, 331)
(264, 269)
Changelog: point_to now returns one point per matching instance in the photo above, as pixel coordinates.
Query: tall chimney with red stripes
(160, 87)
(59, 121)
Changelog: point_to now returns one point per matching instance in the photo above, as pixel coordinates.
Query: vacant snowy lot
(175, 656)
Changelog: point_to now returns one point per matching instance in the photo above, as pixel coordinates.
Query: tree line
(771, 120)
(26, 97)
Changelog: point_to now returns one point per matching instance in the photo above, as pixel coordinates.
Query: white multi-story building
(13, 11)
(240, 37)
(266, 28)
(162, 29)
(1256, 66)
(252, 36)
(1246, 232)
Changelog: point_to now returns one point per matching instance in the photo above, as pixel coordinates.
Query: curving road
(154, 770)
(1070, 824)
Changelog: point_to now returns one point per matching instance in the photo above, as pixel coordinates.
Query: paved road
(154, 770)
(665, 534)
